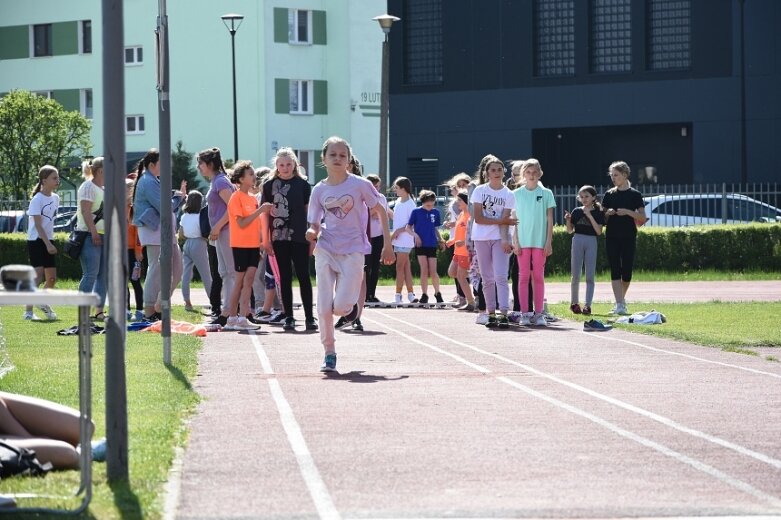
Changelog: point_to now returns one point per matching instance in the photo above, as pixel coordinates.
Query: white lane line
(664, 450)
(615, 402)
(306, 463)
(689, 356)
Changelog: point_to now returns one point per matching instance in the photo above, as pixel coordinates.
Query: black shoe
(251, 319)
(341, 322)
(424, 298)
(154, 317)
(277, 319)
(219, 320)
(372, 299)
(502, 321)
(438, 297)
(290, 323)
(311, 324)
(353, 314)
(492, 321)
(358, 326)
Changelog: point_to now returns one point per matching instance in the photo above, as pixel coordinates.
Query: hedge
(740, 247)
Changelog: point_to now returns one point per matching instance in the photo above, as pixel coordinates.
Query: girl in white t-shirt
(40, 233)
(492, 203)
(403, 240)
(194, 252)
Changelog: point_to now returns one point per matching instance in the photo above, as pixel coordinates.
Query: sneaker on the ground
(290, 323)
(29, 315)
(423, 298)
(586, 311)
(615, 309)
(372, 299)
(155, 316)
(438, 297)
(242, 323)
(467, 307)
(341, 322)
(353, 314)
(526, 319)
(514, 316)
(502, 321)
(482, 318)
(329, 363)
(230, 323)
(456, 299)
(47, 310)
(491, 322)
(538, 320)
(253, 320)
(575, 308)
(397, 298)
(263, 316)
(219, 320)
(138, 315)
(357, 325)
(596, 325)
(311, 324)
(460, 301)
(277, 317)
(189, 307)
(411, 298)
(622, 310)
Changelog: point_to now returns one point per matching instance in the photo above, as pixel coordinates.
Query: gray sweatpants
(584, 249)
(195, 254)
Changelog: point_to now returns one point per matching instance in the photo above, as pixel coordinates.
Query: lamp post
(385, 22)
(235, 22)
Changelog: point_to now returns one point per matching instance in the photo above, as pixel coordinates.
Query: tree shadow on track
(359, 376)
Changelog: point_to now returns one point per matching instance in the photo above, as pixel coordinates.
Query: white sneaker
(231, 323)
(614, 310)
(459, 302)
(28, 315)
(526, 319)
(47, 310)
(411, 297)
(538, 320)
(482, 318)
(622, 310)
(397, 298)
(242, 323)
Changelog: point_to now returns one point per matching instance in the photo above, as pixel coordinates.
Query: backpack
(203, 219)
(20, 461)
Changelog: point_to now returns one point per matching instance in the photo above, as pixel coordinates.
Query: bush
(739, 247)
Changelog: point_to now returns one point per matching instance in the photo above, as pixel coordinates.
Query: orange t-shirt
(242, 205)
(459, 233)
(132, 240)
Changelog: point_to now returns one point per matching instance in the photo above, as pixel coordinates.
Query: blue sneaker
(329, 363)
(596, 326)
(99, 450)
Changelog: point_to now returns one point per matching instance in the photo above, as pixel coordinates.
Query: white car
(691, 209)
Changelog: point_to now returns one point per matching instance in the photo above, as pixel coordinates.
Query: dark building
(581, 83)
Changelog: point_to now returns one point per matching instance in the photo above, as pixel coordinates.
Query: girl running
(585, 225)
(40, 233)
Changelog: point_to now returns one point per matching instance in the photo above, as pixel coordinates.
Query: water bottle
(136, 271)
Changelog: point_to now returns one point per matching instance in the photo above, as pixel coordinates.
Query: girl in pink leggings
(533, 239)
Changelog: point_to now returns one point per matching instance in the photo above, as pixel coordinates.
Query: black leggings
(215, 296)
(138, 288)
(373, 266)
(296, 254)
(621, 255)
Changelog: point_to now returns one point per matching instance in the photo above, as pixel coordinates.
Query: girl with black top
(585, 225)
(624, 211)
(285, 233)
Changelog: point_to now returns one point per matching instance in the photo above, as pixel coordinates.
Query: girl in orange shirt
(461, 253)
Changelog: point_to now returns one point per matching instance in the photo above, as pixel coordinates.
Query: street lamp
(235, 22)
(385, 21)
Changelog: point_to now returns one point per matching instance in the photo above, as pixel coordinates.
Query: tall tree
(35, 131)
(182, 169)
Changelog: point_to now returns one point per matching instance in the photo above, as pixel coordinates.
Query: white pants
(339, 280)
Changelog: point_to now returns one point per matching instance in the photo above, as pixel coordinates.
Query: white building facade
(305, 70)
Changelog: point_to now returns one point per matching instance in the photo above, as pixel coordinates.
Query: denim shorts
(397, 249)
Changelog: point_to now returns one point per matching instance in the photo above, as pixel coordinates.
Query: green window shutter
(70, 99)
(14, 42)
(318, 28)
(321, 96)
(65, 38)
(281, 96)
(320, 171)
(280, 25)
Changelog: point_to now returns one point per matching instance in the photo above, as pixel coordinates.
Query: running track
(433, 416)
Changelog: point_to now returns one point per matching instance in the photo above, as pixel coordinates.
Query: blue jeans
(93, 269)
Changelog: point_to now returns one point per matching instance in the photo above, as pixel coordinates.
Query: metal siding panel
(65, 38)
(319, 34)
(14, 42)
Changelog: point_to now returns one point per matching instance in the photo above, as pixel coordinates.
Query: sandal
(99, 316)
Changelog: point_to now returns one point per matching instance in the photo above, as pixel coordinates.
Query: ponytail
(151, 157)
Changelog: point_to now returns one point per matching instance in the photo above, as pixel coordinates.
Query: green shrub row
(743, 247)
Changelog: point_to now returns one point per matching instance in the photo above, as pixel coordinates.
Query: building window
(669, 34)
(300, 96)
(86, 102)
(299, 26)
(134, 55)
(554, 37)
(134, 125)
(611, 36)
(42, 40)
(85, 39)
(44, 93)
(422, 42)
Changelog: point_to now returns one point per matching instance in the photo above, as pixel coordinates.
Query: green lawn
(736, 327)
(159, 398)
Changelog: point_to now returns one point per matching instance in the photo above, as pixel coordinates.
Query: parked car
(65, 222)
(707, 208)
(13, 221)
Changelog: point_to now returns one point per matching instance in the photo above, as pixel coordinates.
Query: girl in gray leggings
(585, 225)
